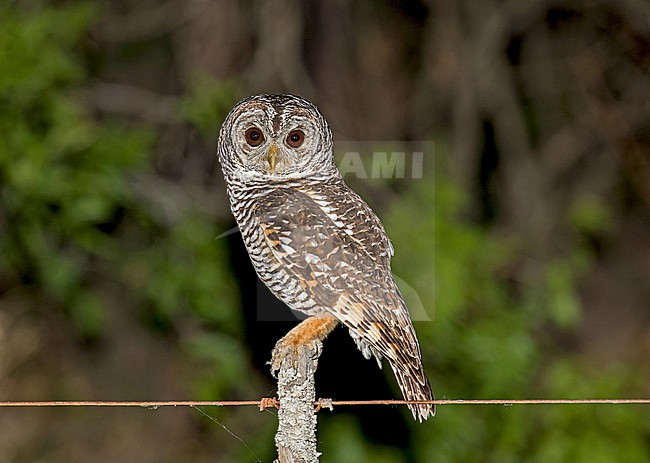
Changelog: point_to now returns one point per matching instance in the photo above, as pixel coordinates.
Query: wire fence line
(322, 403)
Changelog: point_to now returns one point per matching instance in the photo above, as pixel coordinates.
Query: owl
(312, 240)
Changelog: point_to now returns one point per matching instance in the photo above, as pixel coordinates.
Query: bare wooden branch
(296, 435)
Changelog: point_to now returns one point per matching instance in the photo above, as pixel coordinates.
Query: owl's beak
(272, 156)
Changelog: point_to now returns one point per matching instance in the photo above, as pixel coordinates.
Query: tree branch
(296, 435)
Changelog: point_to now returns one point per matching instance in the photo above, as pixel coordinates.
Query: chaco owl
(312, 240)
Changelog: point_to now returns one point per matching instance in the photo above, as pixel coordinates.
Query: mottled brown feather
(346, 278)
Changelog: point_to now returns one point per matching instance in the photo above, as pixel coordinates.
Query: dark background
(527, 239)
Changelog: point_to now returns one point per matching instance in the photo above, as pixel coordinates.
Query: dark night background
(526, 240)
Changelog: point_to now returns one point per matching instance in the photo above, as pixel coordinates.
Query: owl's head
(275, 137)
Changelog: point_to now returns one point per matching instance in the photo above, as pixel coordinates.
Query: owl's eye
(254, 136)
(295, 138)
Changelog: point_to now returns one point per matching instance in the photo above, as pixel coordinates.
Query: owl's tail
(405, 360)
(389, 334)
(415, 386)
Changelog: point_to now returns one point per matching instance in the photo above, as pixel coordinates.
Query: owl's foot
(308, 335)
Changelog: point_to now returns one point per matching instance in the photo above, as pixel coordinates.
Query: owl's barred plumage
(312, 240)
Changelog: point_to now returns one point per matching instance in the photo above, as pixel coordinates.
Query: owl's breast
(283, 284)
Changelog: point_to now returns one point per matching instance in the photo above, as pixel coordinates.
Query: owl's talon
(308, 335)
(324, 403)
(269, 402)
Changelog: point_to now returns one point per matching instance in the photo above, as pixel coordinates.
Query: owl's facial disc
(276, 137)
(275, 151)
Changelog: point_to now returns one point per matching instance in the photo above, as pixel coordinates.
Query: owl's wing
(330, 260)
(328, 254)
(351, 213)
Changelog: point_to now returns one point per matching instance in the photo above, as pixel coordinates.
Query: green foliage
(62, 175)
(227, 365)
(207, 102)
(67, 202)
(180, 271)
(341, 440)
(589, 216)
(484, 342)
